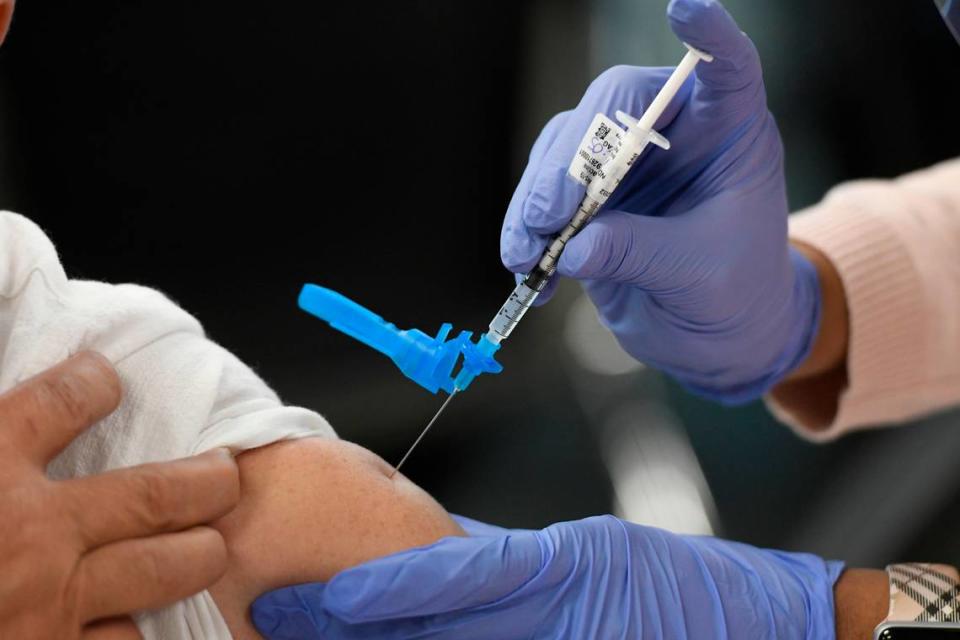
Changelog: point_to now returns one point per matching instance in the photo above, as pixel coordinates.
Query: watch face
(920, 634)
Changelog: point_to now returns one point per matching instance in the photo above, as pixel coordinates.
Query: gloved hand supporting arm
(594, 578)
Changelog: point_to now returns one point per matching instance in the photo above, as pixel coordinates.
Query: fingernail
(221, 452)
(264, 618)
(344, 593)
(92, 364)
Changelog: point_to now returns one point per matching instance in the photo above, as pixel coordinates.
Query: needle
(424, 432)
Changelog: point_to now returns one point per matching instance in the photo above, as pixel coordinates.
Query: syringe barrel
(548, 263)
(534, 282)
(509, 315)
(523, 296)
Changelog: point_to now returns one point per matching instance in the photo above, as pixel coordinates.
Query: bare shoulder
(310, 508)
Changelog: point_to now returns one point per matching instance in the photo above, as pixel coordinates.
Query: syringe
(639, 134)
(431, 361)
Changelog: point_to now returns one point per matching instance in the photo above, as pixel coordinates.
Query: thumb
(475, 528)
(288, 612)
(706, 25)
(453, 574)
(620, 247)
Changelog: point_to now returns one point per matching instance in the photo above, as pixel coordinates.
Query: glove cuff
(804, 320)
(827, 609)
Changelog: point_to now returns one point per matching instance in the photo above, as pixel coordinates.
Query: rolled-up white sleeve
(182, 393)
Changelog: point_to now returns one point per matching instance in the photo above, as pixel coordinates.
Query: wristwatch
(924, 603)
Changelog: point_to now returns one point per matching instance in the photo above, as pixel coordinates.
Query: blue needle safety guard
(428, 361)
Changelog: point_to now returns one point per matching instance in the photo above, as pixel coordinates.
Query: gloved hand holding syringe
(602, 172)
(605, 156)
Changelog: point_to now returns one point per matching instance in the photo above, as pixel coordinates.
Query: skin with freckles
(310, 508)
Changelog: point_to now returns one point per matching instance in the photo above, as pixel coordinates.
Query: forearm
(861, 598)
(817, 383)
(830, 349)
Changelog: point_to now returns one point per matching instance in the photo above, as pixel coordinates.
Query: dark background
(196, 148)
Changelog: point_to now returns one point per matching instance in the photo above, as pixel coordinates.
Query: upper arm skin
(310, 508)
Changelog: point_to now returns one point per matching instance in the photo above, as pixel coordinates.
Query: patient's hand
(310, 508)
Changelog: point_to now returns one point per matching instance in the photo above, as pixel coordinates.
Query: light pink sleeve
(896, 246)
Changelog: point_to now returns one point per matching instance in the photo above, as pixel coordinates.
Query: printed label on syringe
(598, 147)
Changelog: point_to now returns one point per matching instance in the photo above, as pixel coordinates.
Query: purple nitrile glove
(688, 263)
(594, 578)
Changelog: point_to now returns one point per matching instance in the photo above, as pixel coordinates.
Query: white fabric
(183, 394)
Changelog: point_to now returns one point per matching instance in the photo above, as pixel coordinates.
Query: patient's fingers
(149, 572)
(112, 629)
(42, 415)
(153, 498)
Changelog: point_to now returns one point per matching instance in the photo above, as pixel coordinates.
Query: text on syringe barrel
(520, 300)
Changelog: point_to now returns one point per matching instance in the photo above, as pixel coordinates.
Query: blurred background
(194, 147)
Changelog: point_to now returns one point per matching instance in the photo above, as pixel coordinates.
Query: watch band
(924, 593)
